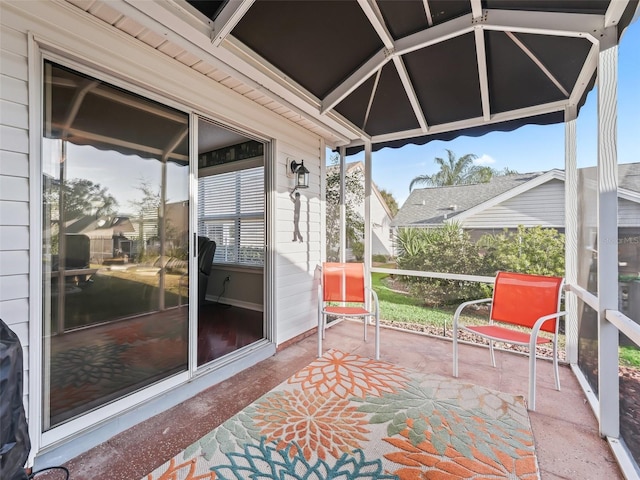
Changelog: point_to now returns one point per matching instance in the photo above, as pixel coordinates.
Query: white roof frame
(241, 62)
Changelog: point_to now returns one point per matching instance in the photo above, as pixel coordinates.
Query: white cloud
(484, 160)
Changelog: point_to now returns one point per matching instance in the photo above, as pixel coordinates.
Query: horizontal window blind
(231, 212)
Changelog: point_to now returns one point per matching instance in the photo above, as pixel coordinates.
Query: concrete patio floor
(565, 429)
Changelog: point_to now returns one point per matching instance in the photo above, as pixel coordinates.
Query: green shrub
(446, 249)
(449, 249)
(534, 250)
(357, 248)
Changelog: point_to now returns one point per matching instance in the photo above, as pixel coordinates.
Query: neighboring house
(507, 201)
(109, 236)
(381, 217)
(504, 202)
(530, 199)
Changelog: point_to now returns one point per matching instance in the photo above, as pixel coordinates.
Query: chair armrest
(536, 326)
(464, 305)
(375, 297)
(461, 307)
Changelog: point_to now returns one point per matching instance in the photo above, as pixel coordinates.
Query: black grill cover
(14, 433)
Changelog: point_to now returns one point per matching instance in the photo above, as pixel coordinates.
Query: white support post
(571, 233)
(343, 208)
(608, 383)
(323, 203)
(367, 214)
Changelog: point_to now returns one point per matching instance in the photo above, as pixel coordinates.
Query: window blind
(231, 212)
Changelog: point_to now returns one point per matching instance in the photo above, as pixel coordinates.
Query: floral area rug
(348, 417)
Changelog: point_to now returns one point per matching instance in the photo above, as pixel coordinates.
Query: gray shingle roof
(431, 206)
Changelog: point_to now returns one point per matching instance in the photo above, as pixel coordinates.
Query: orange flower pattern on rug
(315, 424)
(424, 461)
(349, 375)
(352, 418)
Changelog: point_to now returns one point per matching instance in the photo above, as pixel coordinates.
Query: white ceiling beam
(584, 77)
(436, 34)
(371, 97)
(476, 8)
(411, 93)
(614, 12)
(538, 62)
(228, 18)
(542, 23)
(483, 76)
(431, 36)
(427, 12)
(545, 23)
(372, 12)
(357, 78)
(472, 122)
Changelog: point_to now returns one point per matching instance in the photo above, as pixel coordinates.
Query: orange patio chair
(343, 284)
(521, 306)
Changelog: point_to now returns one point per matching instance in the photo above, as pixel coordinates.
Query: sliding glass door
(230, 215)
(115, 174)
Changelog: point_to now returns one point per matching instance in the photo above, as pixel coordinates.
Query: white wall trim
(35, 245)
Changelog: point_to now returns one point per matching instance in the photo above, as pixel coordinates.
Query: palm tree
(455, 171)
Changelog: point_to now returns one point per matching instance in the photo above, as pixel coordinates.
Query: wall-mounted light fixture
(300, 174)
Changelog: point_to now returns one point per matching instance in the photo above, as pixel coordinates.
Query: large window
(115, 176)
(231, 212)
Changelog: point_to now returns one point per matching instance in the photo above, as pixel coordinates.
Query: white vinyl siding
(296, 262)
(14, 187)
(542, 205)
(381, 242)
(628, 213)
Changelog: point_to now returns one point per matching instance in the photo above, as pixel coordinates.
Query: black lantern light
(301, 174)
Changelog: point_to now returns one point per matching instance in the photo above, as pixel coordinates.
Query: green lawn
(630, 356)
(396, 306)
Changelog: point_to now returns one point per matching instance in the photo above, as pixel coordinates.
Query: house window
(231, 212)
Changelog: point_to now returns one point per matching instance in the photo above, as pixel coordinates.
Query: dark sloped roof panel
(354, 107)
(450, 69)
(562, 56)
(390, 110)
(515, 81)
(317, 43)
(403, 17)
(627, 16)
(445, 10)
(209, 8)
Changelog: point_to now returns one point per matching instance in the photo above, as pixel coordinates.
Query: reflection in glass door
(115, 243)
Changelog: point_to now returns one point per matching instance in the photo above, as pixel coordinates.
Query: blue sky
(530, 148)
